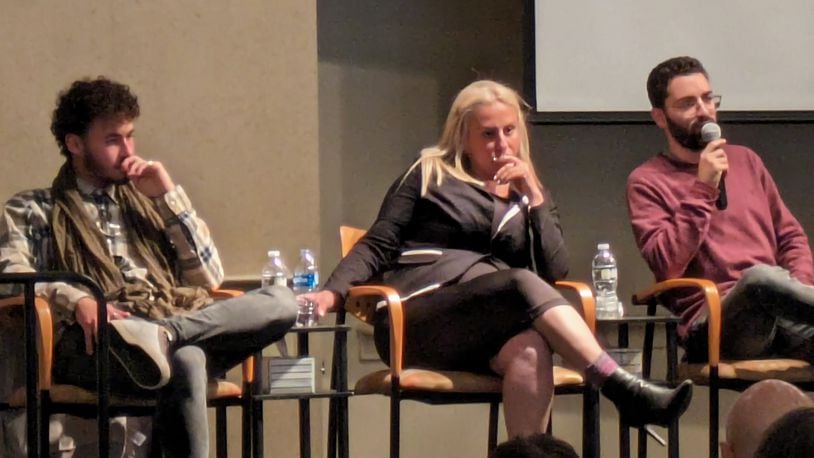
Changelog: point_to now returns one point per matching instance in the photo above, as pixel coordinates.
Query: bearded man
(752, 248)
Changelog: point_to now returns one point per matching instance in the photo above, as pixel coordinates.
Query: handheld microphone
(710, 132)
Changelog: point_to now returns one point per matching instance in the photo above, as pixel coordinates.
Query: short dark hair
(663, 73)
(88, 100)
(535, 446)
(790, 436)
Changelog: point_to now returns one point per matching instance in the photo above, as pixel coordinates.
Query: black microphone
(710, 132)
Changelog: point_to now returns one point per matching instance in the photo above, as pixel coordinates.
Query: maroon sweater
(680, 233)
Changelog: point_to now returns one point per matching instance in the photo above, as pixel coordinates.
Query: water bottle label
(279, 280)
(306, 281)
(608, 274)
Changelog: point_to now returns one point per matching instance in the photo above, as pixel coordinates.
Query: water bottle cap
(603, 246)
(307, 256)
(273, 253)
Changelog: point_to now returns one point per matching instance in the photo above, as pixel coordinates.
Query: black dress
(472, 269)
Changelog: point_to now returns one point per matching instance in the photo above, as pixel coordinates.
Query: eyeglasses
(689, 103)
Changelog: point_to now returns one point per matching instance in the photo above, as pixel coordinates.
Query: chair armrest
(248, 370)
(45, 329)
(218, 293)
(586, 297)
(712, 298)
(11, 302)
(361, 302)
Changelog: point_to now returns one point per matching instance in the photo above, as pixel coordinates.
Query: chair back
(348, 236)
(361, 306)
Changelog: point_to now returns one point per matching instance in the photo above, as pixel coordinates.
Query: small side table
(622, 327)
(338, 395)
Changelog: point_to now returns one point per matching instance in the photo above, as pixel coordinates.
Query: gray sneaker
(142, 348)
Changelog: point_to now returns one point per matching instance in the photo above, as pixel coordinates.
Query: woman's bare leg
(525, 363)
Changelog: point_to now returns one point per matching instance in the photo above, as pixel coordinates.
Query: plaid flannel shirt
(26, 240)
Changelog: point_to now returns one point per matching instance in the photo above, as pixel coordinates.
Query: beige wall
(228, 92)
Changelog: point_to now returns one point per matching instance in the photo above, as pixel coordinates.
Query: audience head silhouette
(792, 436)
(534, 446)
(754, 411)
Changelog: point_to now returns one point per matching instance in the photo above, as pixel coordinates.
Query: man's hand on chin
(149, 177)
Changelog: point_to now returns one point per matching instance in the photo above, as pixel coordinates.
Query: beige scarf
(79, 246)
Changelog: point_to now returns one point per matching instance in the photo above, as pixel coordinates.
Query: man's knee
(764, 275)
(279, 307)
(189, 355)
(188, 361)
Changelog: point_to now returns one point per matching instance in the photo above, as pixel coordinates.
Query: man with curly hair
(121, 220)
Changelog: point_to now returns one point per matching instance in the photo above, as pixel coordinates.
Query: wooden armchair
(453, 387)
(50, 398)
(723, 374)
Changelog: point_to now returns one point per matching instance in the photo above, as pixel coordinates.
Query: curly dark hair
(88, 100)
(663, 73)
(535, 446)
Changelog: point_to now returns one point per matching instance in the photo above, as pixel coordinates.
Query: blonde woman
(472, 239)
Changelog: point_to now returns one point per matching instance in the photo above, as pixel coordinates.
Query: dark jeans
(766, 314)
(206, 344)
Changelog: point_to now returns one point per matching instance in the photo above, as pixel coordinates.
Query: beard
(689, 137)
(101, 172)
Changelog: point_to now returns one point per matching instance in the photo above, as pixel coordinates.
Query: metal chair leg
(332, 433)
(222, 450)
(305, 427)
(590, 423)
(256, 408)
(155, 445)
(713, 413)
(246, 428)
(494, 412)
(395, 418)
(642, 443)
(672, 436)
(44, 427)
(342, 425)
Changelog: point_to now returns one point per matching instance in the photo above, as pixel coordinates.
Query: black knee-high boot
(641, 403)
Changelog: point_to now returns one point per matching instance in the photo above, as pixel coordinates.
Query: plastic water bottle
(306, 279)
(306, 274)
(274, 272)
(605, 276)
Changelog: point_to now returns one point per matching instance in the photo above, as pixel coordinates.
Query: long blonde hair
(448, 156)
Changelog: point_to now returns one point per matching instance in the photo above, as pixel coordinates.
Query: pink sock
(600, 370)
